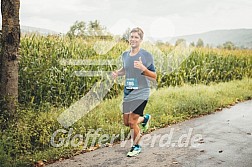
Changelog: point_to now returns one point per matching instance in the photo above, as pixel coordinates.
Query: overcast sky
(158, 18)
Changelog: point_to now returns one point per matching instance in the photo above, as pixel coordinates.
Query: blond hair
(139, 31)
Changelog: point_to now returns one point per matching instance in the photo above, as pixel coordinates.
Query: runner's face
(134, 40)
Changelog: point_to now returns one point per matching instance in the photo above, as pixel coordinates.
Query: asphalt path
(221, 139)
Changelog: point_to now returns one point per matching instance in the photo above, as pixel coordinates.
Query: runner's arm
(119, 72)
(149, 74)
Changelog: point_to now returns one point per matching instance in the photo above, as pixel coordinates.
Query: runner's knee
(126, 123)
(132, 124)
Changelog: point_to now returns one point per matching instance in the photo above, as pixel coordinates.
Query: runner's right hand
(115, 74)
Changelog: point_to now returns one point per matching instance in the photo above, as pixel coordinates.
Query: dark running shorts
(135, 106)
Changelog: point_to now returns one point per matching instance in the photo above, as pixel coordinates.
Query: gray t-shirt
(137, 86)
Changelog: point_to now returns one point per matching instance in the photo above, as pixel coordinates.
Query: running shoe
(145, 126)
(135, 150)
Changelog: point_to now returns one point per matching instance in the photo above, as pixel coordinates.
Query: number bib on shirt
(131, 83)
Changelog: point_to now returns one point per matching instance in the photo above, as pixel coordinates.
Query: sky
(158, 18)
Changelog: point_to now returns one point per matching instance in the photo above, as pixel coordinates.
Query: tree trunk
(9, 57)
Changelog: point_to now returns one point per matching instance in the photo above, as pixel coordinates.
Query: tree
(95, 29)
(9, 57)
(200, 43)
(167, 43)
(92, 29)
(181, 42)
(126, 35)
(159, 43)
(229, 45)
(192, 44)
(208, 46)
(77, 29)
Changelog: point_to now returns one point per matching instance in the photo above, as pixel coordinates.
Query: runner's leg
(126, 119)
(135, 130)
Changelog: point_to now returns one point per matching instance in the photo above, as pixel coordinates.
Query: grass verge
(31, 140)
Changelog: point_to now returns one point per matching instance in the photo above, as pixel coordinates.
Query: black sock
(145, 120)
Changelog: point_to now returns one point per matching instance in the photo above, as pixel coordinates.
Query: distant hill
(240, 37)
(28, 29)
(42, 31)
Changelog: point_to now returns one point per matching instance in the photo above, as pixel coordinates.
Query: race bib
(131, 83)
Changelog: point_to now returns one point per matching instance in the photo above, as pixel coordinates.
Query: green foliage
(126, 35)
(84, 30)
(44, 80)
(192, 44)
(180, 42)
(229, 45)
(200, 43)
(5, 159)
(77, 29)
(47, 87)
(191, 101)
(95, 29)
(160, 43)
(30, 140)
(210, 65)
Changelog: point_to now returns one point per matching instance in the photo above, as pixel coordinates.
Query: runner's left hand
(139, 65)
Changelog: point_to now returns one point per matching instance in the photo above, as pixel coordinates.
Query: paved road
(222, 139)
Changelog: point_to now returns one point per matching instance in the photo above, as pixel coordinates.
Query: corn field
(44, 80)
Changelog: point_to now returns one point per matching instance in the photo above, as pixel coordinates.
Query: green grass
(30, 141)
(172, 105)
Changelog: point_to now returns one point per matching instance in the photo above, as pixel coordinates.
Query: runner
(138, 68)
